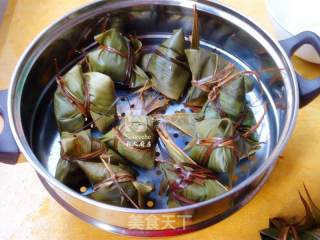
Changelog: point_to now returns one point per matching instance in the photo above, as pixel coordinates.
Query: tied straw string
(195, 41)
(90, 124)
(230, 142)
(114, 179)
(196, 174)
(83, 107)
(120, 137)
(176, 60)
(84, 157)
(212, 84)
(155, 103)
(129, 56)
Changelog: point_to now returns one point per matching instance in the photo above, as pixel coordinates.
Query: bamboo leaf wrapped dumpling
(202, 63)
(67, 171)
(248, 144)
(116, 57)
(134, 139)
(231, 102)
(227, 96)
(189, 183)
(169, 70)
(183, 121)
(82, 96)
(115, 184)
(80, 147)
(232, 97)
(214, 146)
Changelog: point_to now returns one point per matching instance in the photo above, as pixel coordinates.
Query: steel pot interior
(222, 30)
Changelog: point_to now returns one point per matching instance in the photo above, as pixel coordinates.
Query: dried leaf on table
(285, 228)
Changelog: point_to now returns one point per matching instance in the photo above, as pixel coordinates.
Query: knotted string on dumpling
(187, 183)
(129, 56)
(115, 179)
(82, 106)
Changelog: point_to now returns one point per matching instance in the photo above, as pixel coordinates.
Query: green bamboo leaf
(313, 208)
(134, 139)
(147, 102)
(177, 155)
(112, 58)
(168, 68)
(73, 146)
(192, 190)
(311, 235)
(195, 38)
(309, 219)
(184, 122)
(143, 189)
(269, 234)
(219, 159)
(203, 64)
(80, 96)
(115, 185)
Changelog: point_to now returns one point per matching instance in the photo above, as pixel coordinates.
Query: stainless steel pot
(222, 30)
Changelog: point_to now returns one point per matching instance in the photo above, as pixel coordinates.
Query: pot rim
(202, 5)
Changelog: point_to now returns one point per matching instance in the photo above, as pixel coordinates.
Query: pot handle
(9, 152)
(308, 89)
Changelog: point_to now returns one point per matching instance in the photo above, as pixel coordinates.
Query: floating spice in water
(82, 96)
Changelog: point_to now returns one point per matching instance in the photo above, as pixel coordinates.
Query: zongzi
(115, 184)
(168, 67)
(189, 183)
(83, 96)
(134, 139)
(116, 57)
